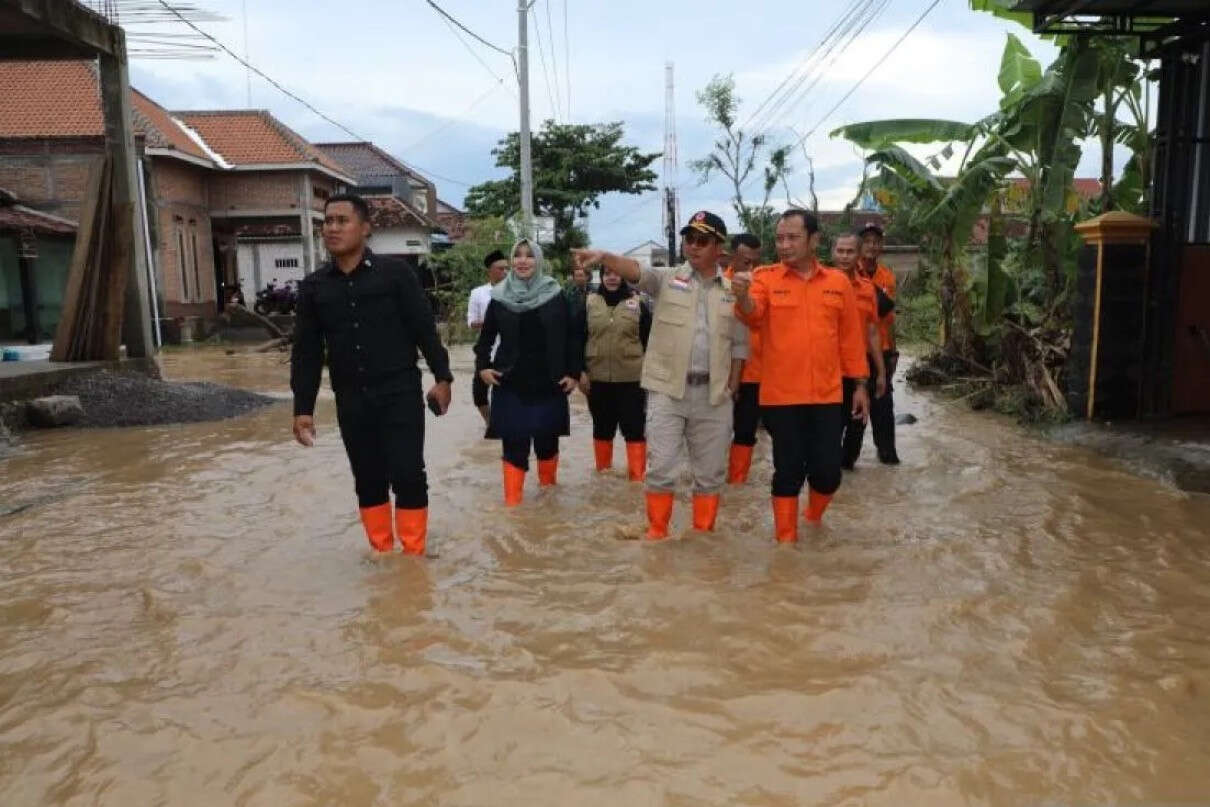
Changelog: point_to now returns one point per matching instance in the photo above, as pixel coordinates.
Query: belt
(697, 379)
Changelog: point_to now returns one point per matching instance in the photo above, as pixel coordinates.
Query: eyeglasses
(699, 239)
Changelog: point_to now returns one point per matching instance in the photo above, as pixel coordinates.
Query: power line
(554, 65)
(862, 80)
(471, 33)
(451, 121)
(869, 72)
(471, 51)
(551, 95)
(831, 32)
(295, 97)
(853, 28)
(567, 60)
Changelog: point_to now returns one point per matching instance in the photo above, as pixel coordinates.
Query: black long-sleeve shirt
(372, 322)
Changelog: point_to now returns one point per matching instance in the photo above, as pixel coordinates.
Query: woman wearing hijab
(616, 329)
(534, 369)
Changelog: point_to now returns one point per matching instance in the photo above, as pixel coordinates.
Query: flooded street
(189, 615)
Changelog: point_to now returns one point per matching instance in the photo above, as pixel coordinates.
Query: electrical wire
(295, 97)
(551, 95)
(567, 60)
(471, 51)
(469, 32)
(451, 121)
(554, 65)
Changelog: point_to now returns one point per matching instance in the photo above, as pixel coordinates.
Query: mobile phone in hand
(434, 407)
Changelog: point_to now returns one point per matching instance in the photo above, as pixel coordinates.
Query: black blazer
(564, 350)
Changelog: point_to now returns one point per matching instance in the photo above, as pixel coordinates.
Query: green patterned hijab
(525, 295)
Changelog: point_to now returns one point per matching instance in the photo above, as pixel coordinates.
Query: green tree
(574, 165)
(740, 158)
(460, 268)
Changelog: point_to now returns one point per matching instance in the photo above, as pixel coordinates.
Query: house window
(285, 263)
(182, 259)
(320, 193)
(193, 262)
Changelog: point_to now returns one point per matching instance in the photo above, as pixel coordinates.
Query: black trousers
(806, 447)
(615, 404)
(853, 431)
(478, 390)
(516, 449)
(746, 414)
(882, 415)
(383, 433)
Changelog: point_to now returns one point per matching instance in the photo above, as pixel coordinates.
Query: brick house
(234, 196)
(265, 197)
(452, 220)
(401, 200)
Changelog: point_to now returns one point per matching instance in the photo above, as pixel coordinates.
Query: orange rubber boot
(659, 513)
(412, 526)
(604, 453)
(741, 462)
(377, 523)
(785, 519)
(636, 461)
(514, 484)
(816, 504)
(705, 511)
(548, 471)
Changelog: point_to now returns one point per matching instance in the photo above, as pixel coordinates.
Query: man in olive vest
(691, 370)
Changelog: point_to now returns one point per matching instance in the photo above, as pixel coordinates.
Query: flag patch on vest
(677, 283)
(632, 303)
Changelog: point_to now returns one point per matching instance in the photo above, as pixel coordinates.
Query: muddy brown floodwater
(189, 616)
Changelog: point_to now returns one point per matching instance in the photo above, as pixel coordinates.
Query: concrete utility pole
(527, 166)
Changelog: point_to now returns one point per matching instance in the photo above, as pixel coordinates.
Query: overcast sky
(394, 73)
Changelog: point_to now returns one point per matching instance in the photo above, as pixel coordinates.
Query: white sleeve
(474, 309)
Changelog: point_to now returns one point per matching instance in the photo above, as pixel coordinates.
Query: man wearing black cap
(691, 370)
(496, 263)
(882, 409)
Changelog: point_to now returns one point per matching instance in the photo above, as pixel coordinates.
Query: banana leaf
(880, 133)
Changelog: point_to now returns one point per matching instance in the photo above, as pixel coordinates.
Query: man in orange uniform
(882, 413)
(811, 337)
(745, 254)
(844, 257)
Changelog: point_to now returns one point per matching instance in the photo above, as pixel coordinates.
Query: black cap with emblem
(706, 222)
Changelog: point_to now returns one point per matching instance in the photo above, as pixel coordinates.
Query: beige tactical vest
(614, 352)
(671, 341)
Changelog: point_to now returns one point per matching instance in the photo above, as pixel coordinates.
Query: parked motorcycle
(275, 299)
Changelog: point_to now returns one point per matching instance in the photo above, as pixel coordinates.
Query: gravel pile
(129, 399)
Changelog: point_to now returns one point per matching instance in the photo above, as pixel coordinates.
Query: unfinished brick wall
(48, 174)
(256, 190)
(184, 240)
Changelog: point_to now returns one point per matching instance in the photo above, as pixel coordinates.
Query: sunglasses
(699, 239)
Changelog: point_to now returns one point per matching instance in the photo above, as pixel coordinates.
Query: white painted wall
(395, 241)
(267, 253)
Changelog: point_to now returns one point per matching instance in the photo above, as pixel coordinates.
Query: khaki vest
(614, 352)
(671, 342)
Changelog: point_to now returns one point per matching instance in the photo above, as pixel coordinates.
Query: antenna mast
(672, 213)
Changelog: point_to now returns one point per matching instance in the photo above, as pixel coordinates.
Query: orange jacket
(884, 279)
(811, 334)
(752, 363)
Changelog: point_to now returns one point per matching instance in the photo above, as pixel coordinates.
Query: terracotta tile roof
(49, 99)
(1085, 187)
(390, 211)
(254, 137)
(63, 99)
(15, 218)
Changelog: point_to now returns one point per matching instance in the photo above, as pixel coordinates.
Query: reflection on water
(190, 616)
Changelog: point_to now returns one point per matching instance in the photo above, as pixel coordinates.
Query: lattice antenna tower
(671, 205)
(156, 30)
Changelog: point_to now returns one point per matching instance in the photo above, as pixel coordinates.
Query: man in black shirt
(371, 314)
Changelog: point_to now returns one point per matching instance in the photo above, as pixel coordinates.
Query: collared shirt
(476, 306)
(811, 334)
(884, 279)
(752, 366)
(652, 280)
(372, 322)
